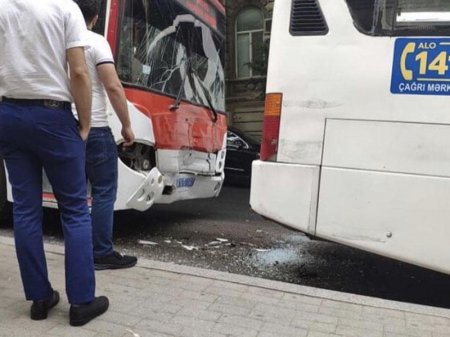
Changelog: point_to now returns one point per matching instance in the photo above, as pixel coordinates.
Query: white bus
(170, 58)
(356, 139)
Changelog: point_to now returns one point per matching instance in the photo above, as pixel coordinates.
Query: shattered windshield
(163, 47)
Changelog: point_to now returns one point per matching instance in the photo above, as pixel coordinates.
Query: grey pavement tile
(229, 309)
(428, 326)
(159, 327)
(235, 331)
(426, 319)
(106, 327)
(391, 321)
(298, 305)
(241, 321)
(341, 313)
(124, 303)
(24, 322)
(194, 332)
(363, 324)
(350, 331)
(8, 313)
(152, 314)
(302, 298)
(167, 290)
(115, 288)
(194, 304)
(269, 334)
(284, 330)
(156, 299)
(261, 299)
(394, 334)
(134, 283)
(121, 318)
(141, 333)
(321, 334)
(17, 332)
(221, 291)
(273, 314)
(315, 317)
(393, 329)
(170, 308)
(68, 331)
(193, 322)
(237, 301)
(322, 327)
(382, 312)
(206, 315)
(199, 295)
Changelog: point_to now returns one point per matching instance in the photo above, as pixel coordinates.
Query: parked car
(241, 151)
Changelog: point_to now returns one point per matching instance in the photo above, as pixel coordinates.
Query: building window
(249, 42)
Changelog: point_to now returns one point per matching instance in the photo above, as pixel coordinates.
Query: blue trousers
(101, 169)
(33, 138)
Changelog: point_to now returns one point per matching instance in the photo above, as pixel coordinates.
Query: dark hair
(89, 8)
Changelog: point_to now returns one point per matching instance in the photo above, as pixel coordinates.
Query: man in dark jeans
(38, 40)
(101, 149)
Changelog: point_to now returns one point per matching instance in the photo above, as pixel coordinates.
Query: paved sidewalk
(166, 300)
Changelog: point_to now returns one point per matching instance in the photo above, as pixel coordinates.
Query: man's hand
(84, 133)
(128, 136)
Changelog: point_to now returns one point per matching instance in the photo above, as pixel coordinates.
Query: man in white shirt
(38, 40)
(101, 149)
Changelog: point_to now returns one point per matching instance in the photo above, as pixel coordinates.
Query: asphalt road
(224, 234)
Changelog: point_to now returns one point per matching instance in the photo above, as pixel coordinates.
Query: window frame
(250, 33)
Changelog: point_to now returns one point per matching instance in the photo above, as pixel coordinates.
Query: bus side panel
(396, 215)
(286, 193)
(414, 148)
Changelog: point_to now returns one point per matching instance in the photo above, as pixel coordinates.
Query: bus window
(164, 48)
(401, 17)
(416, 17)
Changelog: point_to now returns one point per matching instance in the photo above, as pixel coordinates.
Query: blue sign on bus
(421, 67)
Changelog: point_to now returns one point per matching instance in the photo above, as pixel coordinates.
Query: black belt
(48, 103)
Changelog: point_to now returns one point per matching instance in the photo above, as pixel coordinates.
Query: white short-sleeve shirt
(99, 52)
(34, 37)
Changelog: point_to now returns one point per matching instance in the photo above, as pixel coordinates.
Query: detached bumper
(150, 190)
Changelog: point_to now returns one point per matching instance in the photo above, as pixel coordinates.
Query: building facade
(248, 36)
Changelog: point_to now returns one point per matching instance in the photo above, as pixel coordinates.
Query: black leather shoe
(40, 309)
(115, 260)
(81, 314)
